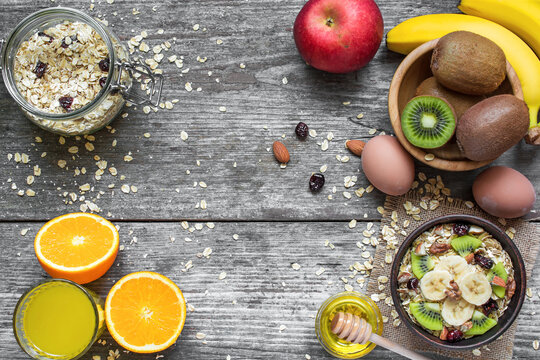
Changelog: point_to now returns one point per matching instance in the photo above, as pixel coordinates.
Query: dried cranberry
(461, 229)
(302, 130)
(412, 284)
(483, 261)
(40, 69)
(104, 64)
(41, 33)
(66, 102)
(102, 81)
(489, 307)
(316, 182)
(454, 336)
(73, 39)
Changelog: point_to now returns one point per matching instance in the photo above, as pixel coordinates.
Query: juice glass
(58, 319)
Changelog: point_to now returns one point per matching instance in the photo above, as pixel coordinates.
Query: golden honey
(356, 304)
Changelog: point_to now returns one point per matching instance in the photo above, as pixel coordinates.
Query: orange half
(79, 247)
(145, 312)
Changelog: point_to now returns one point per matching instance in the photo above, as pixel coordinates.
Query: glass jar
(348, 302)
(51, 317)
(107, 104)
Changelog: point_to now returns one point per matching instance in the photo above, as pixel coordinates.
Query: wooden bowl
(411, 72)
(509, 316)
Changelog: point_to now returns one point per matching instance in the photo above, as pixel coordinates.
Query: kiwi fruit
(498, 270)
(492, 126)
(420, 265)
(468, 63)
(428, 122)
(427, 314)
(460, 102)
(481, 324)
(466, 244)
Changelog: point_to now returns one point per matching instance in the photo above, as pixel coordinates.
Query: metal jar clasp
(137, 71)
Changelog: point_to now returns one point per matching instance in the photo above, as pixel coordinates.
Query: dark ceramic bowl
(505, 321)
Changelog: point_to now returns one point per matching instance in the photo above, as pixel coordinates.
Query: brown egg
(387, 165)
(504, 192)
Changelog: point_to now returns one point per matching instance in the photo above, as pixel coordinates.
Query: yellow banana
(411, 33)
(520, 16)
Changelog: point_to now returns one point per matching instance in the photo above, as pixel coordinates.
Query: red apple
(338, 36)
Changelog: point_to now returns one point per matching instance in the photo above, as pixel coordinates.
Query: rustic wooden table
(265, 217)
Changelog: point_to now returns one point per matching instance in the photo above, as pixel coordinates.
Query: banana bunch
(411, 33)
(521, 17)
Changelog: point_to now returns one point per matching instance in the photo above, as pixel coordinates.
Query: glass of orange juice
(58, 319)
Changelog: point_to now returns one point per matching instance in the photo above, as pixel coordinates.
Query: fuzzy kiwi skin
(468, 63)
(492, 126)
(460, 102)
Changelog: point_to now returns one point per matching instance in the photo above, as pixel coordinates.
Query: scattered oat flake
(222, 108)
(320, 271)
(536, 344)
(200, 335)
(125, 188)
(24, 231)
(146, 135)
(222, 275)
(284, 80)
(372, 131)
(352, 224)
(359, 116)
(196, 27)
(469, 204)
(235, 236)
(184, 135)
(477, 352)
(282, 327)
(295, 266)
(529, 292)
(429, 157)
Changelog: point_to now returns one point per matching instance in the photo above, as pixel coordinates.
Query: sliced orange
(79, 247)
(145, 312)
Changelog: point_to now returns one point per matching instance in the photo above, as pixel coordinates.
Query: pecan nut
(439, 248)
(469, 258)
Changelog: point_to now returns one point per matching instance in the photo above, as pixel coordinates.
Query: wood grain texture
(255, 97)
(247, 199)
(242, 314)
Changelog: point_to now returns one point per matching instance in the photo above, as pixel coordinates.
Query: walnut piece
(453, 293)
(444, 334)
(403, 277)
(510, 288)
(439, 248)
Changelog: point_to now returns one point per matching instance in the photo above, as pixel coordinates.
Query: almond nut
(355, 146)
(281, 153)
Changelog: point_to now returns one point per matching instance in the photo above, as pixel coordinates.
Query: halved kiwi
(428, 122)
(427, 314)
(420, 265)
(481, 324)
(500, 271)
(464, 245)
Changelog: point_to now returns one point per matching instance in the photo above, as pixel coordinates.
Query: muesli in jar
(64, 68)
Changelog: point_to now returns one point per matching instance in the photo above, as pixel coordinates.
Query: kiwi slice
(500, 271)
(420, 265)
(428, 122)
(464, 245)
(481, 324)
(427, 314)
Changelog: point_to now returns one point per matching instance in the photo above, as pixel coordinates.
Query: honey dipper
(354, 329)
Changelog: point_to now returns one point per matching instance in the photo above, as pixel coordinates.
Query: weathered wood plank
(240, 315)
(255, 97)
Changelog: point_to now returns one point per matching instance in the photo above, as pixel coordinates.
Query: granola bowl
(458, 282)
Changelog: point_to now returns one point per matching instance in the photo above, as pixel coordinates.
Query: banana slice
(454, 264)
(475, 288)
(434, 283)
(456, 312)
